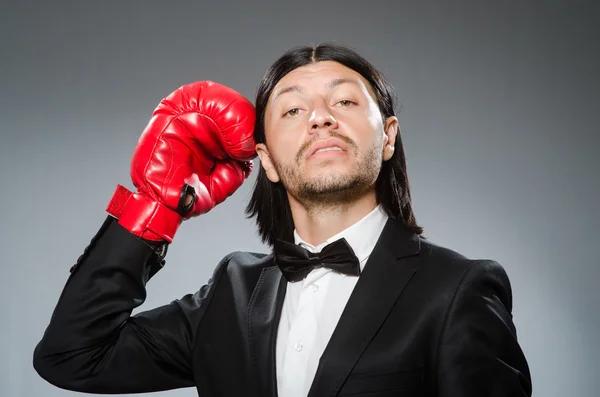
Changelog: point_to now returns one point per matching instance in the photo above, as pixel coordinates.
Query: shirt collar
(362, 235)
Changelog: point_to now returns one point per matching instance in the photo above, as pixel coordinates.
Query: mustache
(332, 134)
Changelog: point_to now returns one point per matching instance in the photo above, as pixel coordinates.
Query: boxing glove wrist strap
(143, 216)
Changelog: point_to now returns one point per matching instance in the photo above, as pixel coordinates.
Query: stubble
(332, 191)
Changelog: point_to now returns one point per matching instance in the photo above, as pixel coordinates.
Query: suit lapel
(385, 275)
(264, 311)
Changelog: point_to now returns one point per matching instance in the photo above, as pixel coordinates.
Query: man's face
(325, 135)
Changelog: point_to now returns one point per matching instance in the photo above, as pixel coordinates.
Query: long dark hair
(269, 202)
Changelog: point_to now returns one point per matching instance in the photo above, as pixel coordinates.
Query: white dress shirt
(313, 306)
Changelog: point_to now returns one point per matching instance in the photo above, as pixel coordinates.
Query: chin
(331, 183)
(330, 178)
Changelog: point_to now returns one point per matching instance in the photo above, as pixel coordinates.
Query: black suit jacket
(421, 321)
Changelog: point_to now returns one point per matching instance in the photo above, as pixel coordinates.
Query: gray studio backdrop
(499, 115)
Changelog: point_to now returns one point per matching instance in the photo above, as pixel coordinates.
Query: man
(352, 300)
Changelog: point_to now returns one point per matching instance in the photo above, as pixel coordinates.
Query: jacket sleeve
(478, 354)
(94, 345)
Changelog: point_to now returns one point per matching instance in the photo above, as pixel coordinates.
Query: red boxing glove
(199, 142)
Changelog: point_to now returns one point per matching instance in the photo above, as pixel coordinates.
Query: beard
(329, 189)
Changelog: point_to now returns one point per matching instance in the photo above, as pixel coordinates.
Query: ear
(390, 130)
(266, 162)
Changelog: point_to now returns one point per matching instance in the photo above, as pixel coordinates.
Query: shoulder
(446, 259)
(248, 259)
(456, 271)
(241, 263)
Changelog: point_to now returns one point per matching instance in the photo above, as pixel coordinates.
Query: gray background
(499, 115)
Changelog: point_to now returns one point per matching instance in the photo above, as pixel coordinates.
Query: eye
(346, 102)
(292, 112)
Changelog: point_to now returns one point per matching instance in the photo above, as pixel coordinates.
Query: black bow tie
(296, 262)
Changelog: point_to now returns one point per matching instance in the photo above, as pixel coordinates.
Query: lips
(324, 144)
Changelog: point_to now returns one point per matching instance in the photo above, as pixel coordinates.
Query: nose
(321, 118)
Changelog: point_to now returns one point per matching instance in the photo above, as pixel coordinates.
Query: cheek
(367, 128)
(374, 118)
(280, 151)
(284, 139)
(375, 122)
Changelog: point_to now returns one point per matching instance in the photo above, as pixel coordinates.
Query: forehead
(318, 75)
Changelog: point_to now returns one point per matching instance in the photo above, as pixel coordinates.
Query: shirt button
(315, 287)
(298, 347)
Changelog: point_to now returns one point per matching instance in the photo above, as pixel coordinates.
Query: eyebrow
(334, 83)
(330, 85)
(293, 88)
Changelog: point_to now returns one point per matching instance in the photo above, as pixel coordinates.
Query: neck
(315, 222)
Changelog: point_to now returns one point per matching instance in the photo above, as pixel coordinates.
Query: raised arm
(92, 343)
(192, 155)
